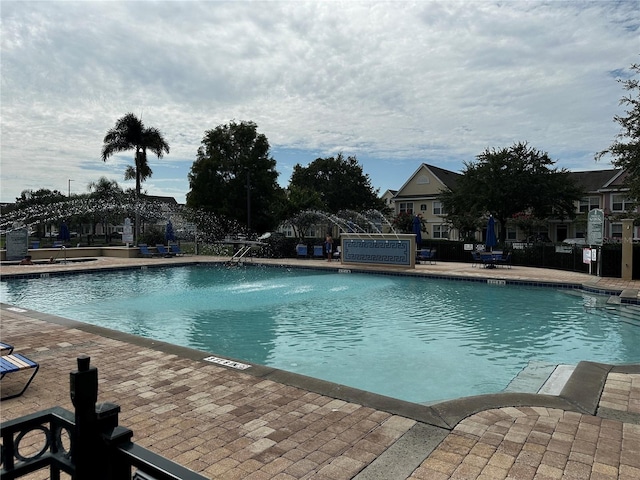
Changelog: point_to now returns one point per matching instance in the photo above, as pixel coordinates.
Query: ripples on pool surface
(410, 338)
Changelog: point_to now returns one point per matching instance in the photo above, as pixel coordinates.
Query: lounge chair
(427, 255)
(5, 349)
(175, 249)
(14, 363)
(144, 251)
(301, 250)
(336, 254)
(476, 259)
(318, 251)
(163, 251)
(488, 259)
(503, 260)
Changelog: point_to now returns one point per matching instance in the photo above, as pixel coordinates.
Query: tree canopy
(508, 181)
(235, 176)
(129, 133)
(333, 184)
(625, 149)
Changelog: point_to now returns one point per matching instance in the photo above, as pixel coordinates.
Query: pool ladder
(239, 255)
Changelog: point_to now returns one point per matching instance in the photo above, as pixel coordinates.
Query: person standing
(328, 246)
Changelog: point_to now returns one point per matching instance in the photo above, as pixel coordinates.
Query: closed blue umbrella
(64, 234)
(491, 240)
(417, 229)
(169, 235)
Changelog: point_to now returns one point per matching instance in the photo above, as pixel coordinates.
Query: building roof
(595, 180)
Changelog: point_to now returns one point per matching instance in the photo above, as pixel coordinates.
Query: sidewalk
(231, 424)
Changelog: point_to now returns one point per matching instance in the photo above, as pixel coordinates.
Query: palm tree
(129, 133)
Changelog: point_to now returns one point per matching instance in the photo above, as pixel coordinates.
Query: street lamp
(248, 199)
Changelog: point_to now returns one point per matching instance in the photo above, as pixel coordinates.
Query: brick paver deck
(230, 424)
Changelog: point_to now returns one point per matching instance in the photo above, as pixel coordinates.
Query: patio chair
(318, 251)
(163, 251)
(427, 255)
(14, 363)
(301, 250)
(488, 259)
(144, 251)
(5, 349)
(175, 249)
(504, 260)
(475, 258)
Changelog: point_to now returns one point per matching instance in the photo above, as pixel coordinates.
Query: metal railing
(88, 444)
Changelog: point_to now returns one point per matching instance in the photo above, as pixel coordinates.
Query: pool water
(415, 339)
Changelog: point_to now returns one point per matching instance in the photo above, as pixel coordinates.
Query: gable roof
(595, 180)
(446, 177)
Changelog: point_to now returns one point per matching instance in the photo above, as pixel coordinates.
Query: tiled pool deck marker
(226, 423)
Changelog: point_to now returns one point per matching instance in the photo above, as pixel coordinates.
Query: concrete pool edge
(580, 394)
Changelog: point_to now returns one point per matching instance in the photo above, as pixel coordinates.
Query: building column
(627, 249)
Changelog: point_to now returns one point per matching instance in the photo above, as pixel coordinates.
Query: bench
(14, 363)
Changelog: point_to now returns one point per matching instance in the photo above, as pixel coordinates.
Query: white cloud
(389, 82)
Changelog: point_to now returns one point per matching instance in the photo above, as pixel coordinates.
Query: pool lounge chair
(426, 255)
(175, 249)
(301, 250)
(163, 251)
(144, 251)
(15, 363)
(475, 258)
(5, 348)
(318, 251)
(503, 260)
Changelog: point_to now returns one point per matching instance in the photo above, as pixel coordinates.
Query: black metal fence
(87, 445)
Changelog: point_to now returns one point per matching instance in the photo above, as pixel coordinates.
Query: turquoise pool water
(415, 339)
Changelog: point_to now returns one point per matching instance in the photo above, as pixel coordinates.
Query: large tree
(235, 176)
(625, 149)
(339, 184)
(109, 196)
(129, 133)
(508, 181)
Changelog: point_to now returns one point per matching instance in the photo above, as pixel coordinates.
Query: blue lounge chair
(427, 255)
(301, 250)
(504, 260)
(5, 349)
(144, 251)
(163, 251)
(318, 251)
(476, 259)
(175, 249)
(14, 363)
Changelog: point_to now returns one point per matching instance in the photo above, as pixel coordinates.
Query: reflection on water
(411, 338)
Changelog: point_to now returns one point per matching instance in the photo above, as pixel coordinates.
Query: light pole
(248, 199)
(69, 190)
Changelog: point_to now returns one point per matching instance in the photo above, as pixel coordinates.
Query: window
(616, 230)
(406, 207)
(619, 203)
(512, 233)
(589, 203)
(423, 207)
(438, 208)
(422, 180)
(440, 231)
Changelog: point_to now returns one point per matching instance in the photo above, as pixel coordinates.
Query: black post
(248, 199)
(85, 443)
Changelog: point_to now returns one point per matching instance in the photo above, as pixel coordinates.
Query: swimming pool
(412, 338)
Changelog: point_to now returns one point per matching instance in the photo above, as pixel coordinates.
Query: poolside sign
(127, 231)
(595, 227)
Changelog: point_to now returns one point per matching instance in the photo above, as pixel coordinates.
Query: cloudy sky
(394, 83)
